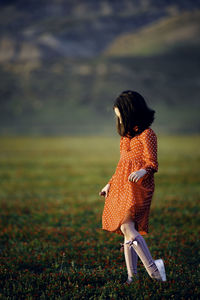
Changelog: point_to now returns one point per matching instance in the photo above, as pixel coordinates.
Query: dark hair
(134, 113)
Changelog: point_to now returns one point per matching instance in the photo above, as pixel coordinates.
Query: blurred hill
(62, 63)
(171, 34)
(51, 28)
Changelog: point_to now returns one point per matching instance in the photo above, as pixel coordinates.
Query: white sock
(131, 259)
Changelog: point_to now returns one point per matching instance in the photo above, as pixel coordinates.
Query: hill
(56, 79)
(38, 30)
(160, 37)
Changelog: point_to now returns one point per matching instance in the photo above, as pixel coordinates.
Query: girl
(129, 192)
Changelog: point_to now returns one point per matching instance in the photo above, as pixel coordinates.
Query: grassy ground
(51, 242)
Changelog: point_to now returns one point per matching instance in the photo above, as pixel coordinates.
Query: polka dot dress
(127, 197)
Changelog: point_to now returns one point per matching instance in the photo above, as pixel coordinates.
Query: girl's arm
(149, 141)
(111, 179)
(120, 149)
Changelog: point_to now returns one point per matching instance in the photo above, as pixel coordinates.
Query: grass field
(52, 245)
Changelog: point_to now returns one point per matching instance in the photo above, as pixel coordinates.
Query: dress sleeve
(111, 179)
(149, 141)
(120, 146)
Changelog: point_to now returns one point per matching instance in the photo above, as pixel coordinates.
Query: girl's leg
(135, 260)
(131, 259)
(138, 243)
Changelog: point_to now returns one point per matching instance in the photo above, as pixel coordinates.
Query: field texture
(51, 242)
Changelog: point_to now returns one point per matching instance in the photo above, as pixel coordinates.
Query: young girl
(129, 192)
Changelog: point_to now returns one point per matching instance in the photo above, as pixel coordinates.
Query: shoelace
(130, 244)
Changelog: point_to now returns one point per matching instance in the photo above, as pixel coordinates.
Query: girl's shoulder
(124, 138)
(147, 133)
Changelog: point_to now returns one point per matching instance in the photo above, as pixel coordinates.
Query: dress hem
(118, 231)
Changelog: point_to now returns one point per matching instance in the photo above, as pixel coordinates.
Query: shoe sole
(161, 267)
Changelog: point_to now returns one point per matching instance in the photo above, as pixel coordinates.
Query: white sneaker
(161, 268)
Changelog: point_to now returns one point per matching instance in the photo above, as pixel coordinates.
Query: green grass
(52, 245)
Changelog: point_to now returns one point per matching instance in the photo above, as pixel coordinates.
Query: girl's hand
(135, 176)
(105, 190)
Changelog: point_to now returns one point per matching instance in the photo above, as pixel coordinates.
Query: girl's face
(117, 112)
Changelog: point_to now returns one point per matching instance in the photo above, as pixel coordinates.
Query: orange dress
(139, 152)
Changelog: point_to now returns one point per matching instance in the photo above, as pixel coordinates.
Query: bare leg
(138, 243)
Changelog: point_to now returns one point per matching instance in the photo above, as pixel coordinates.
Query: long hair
(135, 113)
